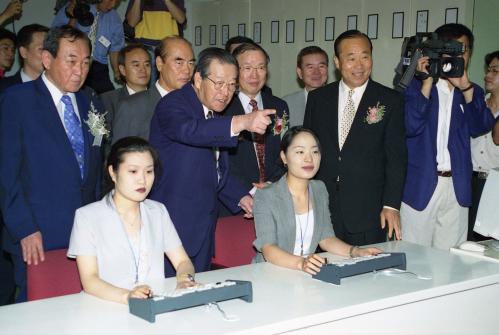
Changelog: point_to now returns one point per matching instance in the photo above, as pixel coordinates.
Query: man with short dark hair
(54, 164)
(235, 41)
(175, 64)
(135, 69)
(441, 117)
(7, 50)
(360, 125)
(189, 137)
(255, 159)
(312, 69)
(30, 44)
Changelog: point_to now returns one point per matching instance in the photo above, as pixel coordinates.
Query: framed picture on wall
(372, 26)
(451, 15)
(225, 33)
(398, 25)
(274, 32)
(309, 29)
(197, 35)
(257, 32)
(351, 22)
(241, 29)
(213, 34)
(422, 21)
(329, 28)
(290, 31)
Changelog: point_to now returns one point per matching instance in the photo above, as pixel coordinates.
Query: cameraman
(440, 117)
(104, 28)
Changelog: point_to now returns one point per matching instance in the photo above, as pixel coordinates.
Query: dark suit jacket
(134, 114)
(111, 100)
(10, 81)
(243, 161)
(40, 182)
(188, 185)
(372, 163)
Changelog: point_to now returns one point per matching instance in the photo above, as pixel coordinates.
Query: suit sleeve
(122, 121)
(265, 225)
(307, 120)
(478, 116)
(175, 120)
(231, 193)
(417, 109)
(395, 155)
(16, 211)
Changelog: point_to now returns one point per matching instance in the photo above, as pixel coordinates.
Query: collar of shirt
(57, 95)
(130, 90)
(245, 100)
(205, 111)
(24, 77)
(161, 90)
(495, 113)
(306, 94)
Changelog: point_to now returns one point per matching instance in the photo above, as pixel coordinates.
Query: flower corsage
(97, 124)
(375, 114)
(280, 124)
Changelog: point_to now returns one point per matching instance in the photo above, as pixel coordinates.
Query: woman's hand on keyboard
(312, 264)
(359, 252)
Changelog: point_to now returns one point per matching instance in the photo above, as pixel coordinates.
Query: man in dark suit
(175, 64)
(360, 125)
(190, 141)
(53, 165)
(255, 160)
(134, 64)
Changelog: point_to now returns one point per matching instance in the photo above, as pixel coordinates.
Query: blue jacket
(188, 185)
(421, 119)
(40, 182)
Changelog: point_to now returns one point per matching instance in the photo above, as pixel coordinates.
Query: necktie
(260, 146)
(73, 131)
(92, 33)
(210, 115)
(347, 119)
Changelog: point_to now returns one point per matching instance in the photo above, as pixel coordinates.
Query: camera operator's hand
(70, 9)
(423, 64)
(14, 8)
(464, 84)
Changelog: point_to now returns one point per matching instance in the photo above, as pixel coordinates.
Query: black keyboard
(333, 272)
(190, 297)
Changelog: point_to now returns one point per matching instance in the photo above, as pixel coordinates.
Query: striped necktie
(259, 145)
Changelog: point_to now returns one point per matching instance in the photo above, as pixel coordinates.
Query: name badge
(104, 41)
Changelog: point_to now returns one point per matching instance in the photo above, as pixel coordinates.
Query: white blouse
(304, 232)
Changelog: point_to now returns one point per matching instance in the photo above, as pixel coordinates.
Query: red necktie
(260, 146)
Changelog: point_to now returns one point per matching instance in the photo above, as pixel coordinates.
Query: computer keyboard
(190, 297)
(334, 271)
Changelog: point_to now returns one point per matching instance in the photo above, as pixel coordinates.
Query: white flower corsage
(97, 124)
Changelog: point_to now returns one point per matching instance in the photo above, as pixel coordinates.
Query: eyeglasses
(248, 68)
(219, 85)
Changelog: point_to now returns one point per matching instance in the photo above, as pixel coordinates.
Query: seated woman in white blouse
(119, 242)
(292, 215)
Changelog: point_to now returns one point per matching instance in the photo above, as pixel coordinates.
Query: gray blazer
(275, 220)
(134, 114)
(111, 100)
(296, 103)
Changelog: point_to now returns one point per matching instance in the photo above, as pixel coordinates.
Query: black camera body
(82, 12)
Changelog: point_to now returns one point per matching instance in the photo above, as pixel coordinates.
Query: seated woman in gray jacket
(292, 216)
(119, 242)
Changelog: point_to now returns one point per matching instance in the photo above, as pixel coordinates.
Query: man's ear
(122, 70)
(23, 52)
(47, 59)
(299, 73)
(197, 80)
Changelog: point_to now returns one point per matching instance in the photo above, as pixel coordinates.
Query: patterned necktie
(73, 131)
(259, 145)
(347, 119)
(92, 33)
(210, 115)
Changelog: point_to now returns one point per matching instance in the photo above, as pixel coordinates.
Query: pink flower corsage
(375, 114)
(280, 124)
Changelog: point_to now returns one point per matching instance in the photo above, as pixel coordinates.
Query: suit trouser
(442, 224)
(20, 277)
(477, 185)
(7, 285)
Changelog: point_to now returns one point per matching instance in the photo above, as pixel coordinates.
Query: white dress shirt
(56, 96)
(161, 90)
(130, 90)
(358, 92)
(24, 77)
(445, 99)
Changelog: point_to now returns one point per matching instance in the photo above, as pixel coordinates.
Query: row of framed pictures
(451, 16)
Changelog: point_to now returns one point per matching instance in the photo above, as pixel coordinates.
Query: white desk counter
(461, 298)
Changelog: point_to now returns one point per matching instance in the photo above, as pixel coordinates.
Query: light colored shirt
(98, 231)
(245, 101)
(161, 90)
(358, 92)
(130, 90)
(445, 99)
(56, 97)
(304, 232)
(109, 36)
(484, 153)
(25, 78)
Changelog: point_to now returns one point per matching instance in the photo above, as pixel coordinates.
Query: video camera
(81, 12)
(444, 60)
